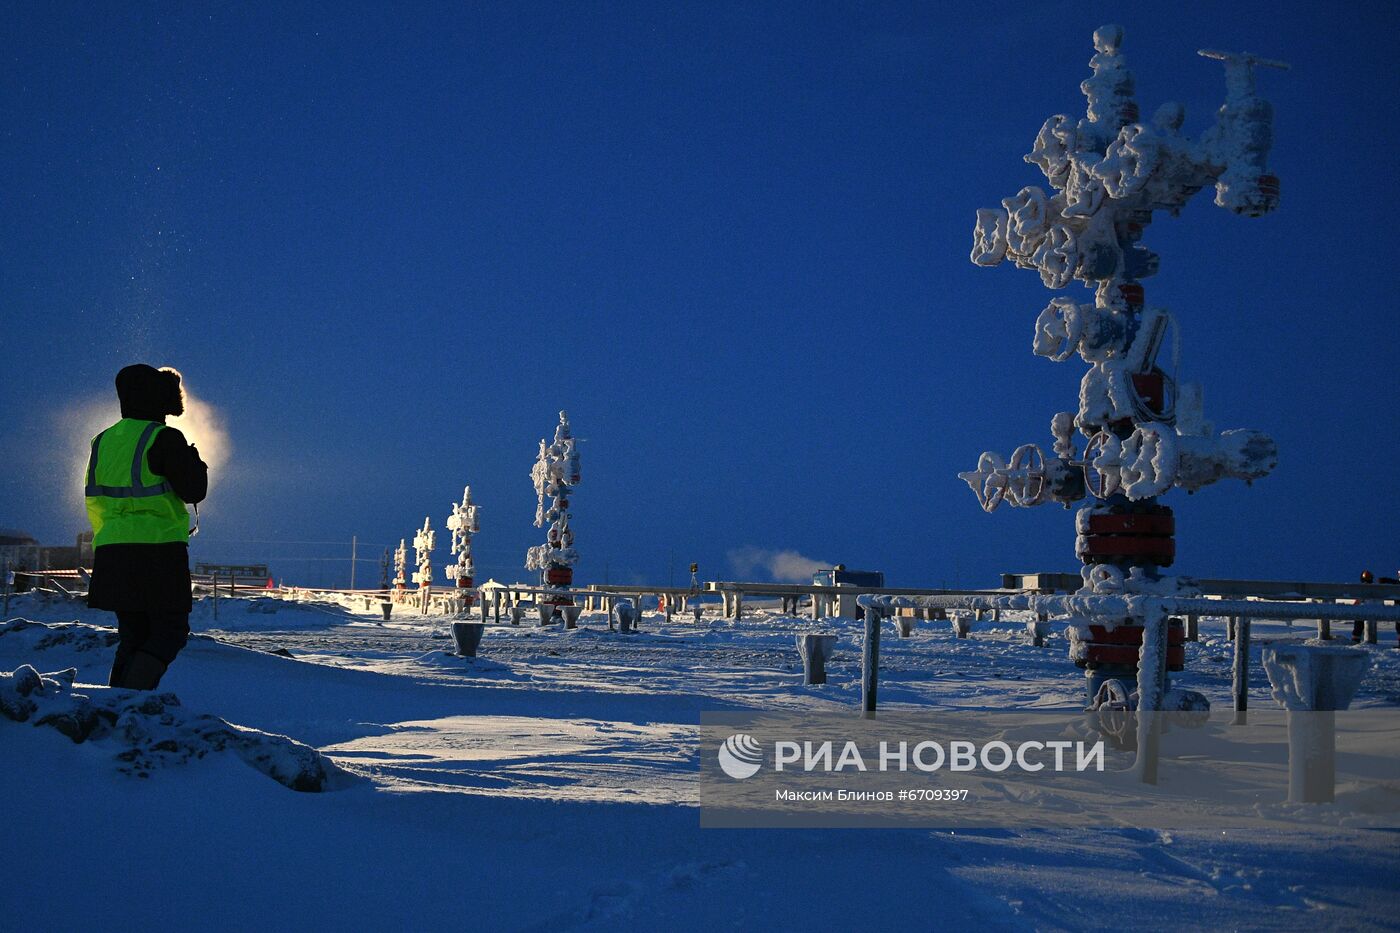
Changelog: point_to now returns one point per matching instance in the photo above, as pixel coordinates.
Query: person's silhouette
(140, 475)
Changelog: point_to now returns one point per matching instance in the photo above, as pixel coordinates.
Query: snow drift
(144, 731)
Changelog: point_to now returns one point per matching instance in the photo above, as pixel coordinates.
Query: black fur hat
(150, 394)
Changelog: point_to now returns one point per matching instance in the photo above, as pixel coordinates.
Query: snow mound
(73, 637)
(267, 613)
(81, 645)
(455, 661)
(152, 730)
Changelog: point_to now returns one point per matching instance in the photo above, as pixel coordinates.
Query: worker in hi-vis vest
(140, 474)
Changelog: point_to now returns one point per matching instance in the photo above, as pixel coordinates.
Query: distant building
(18, 551)
(21, 551)
(839, 576)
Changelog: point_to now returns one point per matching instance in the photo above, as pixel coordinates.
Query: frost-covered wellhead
(1143, 434)
(555, 474)
(401, 565)
(423, 543)
(464, 521)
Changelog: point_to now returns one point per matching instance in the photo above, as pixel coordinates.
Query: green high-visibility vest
(126, 502)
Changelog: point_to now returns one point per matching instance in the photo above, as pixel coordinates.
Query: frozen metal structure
(555, 474)
(401, 565)
(1313, 683)
(463, 523)
(1142, 433)
(387, 606)
(423, 543)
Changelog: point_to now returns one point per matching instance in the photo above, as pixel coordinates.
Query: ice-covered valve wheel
(1058, 330)
(1053, 145)
(991, 469)
(1148, 463)
(1102, 458)
(989, 240)
(1057, 257)
(1023, 481)
(1025, 485)
(1114, 707)
(988, 481)
(1028, 220)
(1130, 161)
(1104, 578)
(1083, 192)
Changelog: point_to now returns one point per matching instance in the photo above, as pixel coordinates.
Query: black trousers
(159, 634)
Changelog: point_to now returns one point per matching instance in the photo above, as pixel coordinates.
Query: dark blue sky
(389, 242)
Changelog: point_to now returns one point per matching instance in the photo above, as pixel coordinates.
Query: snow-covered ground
(552, 782)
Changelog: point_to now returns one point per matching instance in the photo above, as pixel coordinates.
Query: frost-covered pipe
(1239, 673)
(1151, 683)
(1136, 605)
(624, 613)
(870, 661)
(815, 649)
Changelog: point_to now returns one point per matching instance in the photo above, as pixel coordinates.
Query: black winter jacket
(152, 577)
